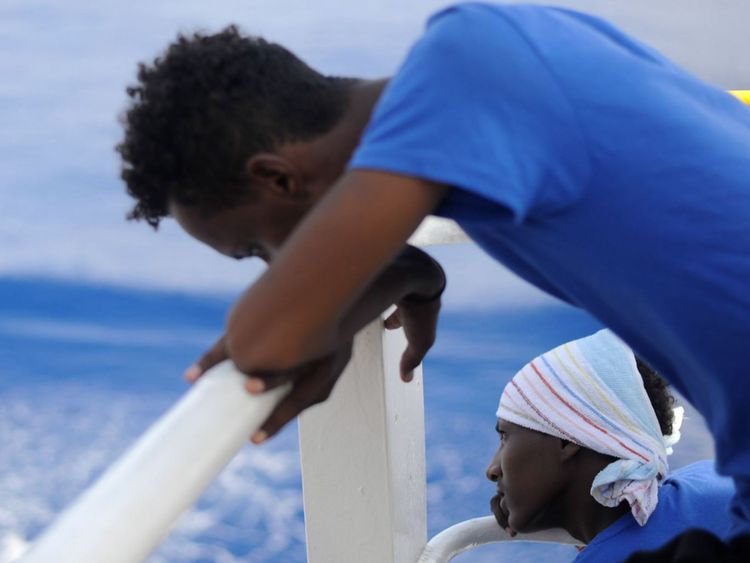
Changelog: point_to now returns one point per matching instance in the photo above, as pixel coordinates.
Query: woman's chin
(526, 524)
(523, 523)
(514, 523)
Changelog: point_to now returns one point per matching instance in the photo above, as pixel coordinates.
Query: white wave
(12, 547)
(56, 441)
(91, 333)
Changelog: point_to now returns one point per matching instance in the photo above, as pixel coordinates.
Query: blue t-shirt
(691, 497)
(599, 171)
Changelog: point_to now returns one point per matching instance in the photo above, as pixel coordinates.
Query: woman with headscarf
(584, 449)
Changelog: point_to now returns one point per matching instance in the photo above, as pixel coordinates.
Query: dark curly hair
(205, 106)
(659, 395)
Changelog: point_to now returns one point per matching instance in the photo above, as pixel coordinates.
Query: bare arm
(294, 312)
(412, 278)
(413, 282)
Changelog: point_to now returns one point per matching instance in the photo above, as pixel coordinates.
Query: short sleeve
(474, 107)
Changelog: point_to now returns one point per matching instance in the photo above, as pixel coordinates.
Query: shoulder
(694, 496)
(480, 51)
(699, 471)
(507, 52)
(471, 30)
(469, 16)
(699, 478)
(472, 22)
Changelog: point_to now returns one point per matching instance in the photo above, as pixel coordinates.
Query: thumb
(409, 362)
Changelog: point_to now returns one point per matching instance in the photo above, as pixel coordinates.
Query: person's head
(564, 419)
(227, 124)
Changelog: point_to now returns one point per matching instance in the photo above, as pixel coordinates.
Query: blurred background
(99, 316)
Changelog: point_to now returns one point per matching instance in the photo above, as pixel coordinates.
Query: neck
(363, 95)
(330, 153)
(584, 516)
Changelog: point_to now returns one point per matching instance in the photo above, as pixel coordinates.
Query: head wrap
(590, 392)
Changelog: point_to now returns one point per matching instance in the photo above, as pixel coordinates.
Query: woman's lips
(501, 496)
(500, 511)
(500, 503)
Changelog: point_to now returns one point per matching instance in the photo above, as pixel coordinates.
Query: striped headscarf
(590, 392)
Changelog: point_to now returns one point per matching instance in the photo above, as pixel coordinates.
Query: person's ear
(274, 173)
(568, 450)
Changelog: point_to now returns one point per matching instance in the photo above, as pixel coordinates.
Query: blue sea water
(85, 369)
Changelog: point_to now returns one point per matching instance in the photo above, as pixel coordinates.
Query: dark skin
(544, 482)
(284, 187)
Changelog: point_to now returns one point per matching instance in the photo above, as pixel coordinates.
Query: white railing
(362, 453)
(129, 510)
(469, 534)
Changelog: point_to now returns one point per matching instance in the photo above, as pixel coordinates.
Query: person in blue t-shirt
(582, 159)
(585, 431)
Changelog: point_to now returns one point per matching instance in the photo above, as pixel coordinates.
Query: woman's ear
(268, 171)
(568, 450)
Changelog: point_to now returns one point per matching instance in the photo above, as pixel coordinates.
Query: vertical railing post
(363, 451)
(362, 454)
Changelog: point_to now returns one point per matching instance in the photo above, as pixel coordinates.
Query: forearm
(293, 312)
(413, 274)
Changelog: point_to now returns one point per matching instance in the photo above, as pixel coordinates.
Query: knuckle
(322, 397)
(276, 421)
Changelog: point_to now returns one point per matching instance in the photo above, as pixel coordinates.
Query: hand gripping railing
(469, 534)
(128, 511)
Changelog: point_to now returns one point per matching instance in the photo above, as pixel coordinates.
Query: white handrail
(472, 533)
(127, 512)
(124, 515)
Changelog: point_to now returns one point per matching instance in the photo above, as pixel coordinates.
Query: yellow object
(743, 95)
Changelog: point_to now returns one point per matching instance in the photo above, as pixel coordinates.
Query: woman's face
(530, 478)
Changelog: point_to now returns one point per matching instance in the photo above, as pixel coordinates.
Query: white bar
(128, 511)
(362, 455)
(437, 230)
(469, 534)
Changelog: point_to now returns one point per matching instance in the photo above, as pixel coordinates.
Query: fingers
(261, 381)
(313, 384)
(413, 356)
(393, 321)
(215, 355)
(410, 360)
(420, 328)
(306, 393)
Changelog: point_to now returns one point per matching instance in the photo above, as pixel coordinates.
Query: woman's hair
(205, 106)
(659, 395)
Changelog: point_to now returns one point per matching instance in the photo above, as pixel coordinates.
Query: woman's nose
(493, 470)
